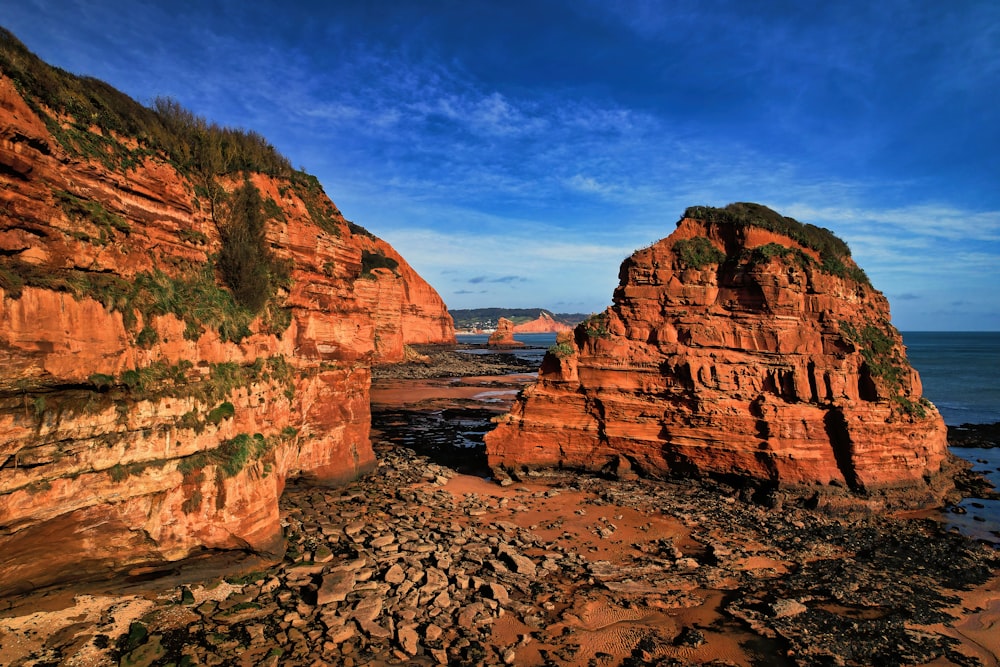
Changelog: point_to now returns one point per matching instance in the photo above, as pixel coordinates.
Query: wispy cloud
(533, 183)
(932, 220)
(501, 279)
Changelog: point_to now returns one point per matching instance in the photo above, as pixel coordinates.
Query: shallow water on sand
(981, 518)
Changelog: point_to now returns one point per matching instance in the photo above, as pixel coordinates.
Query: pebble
(395, 574)
(408, 639)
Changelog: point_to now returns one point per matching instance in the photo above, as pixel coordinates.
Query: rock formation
(503, 337)
(407, 310)
(743, 345)
(183, 327)
(544, 323)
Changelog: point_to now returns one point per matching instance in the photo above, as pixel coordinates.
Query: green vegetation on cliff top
(89, 118)
(188, 141)
(834, 252)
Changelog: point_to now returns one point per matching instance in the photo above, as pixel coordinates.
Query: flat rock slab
(336, 587)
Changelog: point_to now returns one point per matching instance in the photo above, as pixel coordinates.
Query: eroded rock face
(406, 310)
(733, 350)
(503, 337)
(143, 416)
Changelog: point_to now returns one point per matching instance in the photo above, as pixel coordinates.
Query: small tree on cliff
(245, 260)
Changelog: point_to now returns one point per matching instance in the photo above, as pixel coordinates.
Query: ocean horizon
(960, 371)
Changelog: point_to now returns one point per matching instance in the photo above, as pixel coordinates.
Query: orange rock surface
(758, 363)
(407, 310)
(544, 323)
(136, 431)
(503, 337)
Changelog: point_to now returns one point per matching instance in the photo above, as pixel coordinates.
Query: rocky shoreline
(419, 565)
(435, 361)
(423, 563)
(981, 436)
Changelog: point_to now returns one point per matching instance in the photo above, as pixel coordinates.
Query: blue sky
(515, 152)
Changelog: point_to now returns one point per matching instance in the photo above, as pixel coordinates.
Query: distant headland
(533, 320)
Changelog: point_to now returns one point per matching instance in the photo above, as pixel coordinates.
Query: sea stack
(745, 345)
(503, 337)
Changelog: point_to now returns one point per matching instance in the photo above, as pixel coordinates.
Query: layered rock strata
(744, 344)
(406, 309)
(146, 415)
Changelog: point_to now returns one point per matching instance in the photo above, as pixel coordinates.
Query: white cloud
(589, 185)
(933, 220)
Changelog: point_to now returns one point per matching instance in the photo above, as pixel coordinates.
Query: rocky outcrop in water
(745, 344)
(503, 337)
(185, 323)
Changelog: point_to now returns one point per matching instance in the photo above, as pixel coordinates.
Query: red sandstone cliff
(144, 414)
(733, 349)
(544, 323)
(503, 337)
(406, 309)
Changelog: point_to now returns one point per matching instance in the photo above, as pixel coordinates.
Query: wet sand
(488, 391)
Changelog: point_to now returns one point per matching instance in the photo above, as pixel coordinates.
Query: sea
(960, 372)
(535, 345)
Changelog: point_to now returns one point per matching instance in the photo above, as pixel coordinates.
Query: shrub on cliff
(322, 211)
(596, 326)
(248, 267)
(376, 260)
(564, 345)
(764, 253)
(698, 252)
(832, 250)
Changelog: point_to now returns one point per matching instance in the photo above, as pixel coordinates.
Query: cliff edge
(185, 323)
(744, 345)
